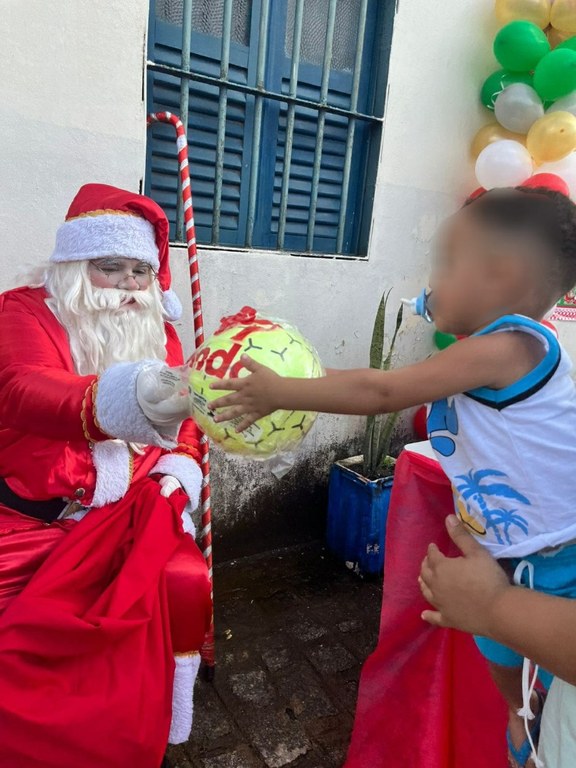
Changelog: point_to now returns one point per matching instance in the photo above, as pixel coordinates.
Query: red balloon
(420, 426)
(476, 193)
(548, 181)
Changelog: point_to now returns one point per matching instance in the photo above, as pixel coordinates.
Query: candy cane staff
(188, 212)
(104, 595)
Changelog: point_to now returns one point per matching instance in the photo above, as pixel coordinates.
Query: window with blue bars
(283, 102)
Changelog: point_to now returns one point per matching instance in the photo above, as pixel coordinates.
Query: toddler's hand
(253, 398)
(463, 589)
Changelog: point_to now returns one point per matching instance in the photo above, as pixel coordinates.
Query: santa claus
(104, 594)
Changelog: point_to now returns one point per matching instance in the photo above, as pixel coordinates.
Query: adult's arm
(472, 593)
(41, 396)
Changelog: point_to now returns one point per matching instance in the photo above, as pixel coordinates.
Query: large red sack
(426, 698)
(86, 663)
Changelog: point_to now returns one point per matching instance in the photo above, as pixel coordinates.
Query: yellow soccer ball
(272, 343)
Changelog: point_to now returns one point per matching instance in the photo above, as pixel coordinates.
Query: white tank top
(510, 454)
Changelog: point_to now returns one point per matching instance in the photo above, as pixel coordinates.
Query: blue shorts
(555, 574)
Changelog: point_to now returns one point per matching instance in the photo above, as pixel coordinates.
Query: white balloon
(565, 168)
(518, 107)
(503, 163)
(567, 104)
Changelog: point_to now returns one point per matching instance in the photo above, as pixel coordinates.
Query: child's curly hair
(543, 214)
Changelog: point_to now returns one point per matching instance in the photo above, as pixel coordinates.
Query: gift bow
(249, 318)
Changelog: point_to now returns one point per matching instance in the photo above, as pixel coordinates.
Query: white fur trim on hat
(172, 305)
(185, 675)
(104, 235)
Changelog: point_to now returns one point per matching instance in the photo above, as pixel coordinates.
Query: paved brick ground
(293, 629)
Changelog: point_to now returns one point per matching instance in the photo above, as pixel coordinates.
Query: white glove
(169, 484)
(163, 397)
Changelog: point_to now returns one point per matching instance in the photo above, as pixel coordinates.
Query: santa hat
(105, 221)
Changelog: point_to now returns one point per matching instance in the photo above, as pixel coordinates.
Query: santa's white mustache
(114, 299)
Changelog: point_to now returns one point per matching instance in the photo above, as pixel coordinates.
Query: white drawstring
(528, 683)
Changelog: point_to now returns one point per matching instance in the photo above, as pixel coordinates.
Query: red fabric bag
(426, 698)
(86, 664)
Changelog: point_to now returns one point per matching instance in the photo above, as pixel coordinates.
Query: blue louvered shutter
(304, 144)
(164, 94)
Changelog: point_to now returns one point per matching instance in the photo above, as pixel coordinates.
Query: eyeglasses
(117, 270)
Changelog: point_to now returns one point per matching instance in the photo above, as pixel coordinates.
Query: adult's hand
(168, 485)
(464, 590)
(163, 398)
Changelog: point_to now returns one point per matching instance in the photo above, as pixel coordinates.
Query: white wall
(71, 111)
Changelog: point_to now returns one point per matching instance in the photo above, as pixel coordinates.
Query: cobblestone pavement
(293, 629)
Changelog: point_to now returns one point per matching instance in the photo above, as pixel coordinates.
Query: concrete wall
(71, 111)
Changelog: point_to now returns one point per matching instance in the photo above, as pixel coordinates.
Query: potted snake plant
(360, 486)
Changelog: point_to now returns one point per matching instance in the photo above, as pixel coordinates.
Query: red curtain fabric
(86, 664)
(426, 699)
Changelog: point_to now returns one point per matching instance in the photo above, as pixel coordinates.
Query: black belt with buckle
(48, 510)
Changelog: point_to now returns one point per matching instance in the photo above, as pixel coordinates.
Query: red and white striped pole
(206, 534)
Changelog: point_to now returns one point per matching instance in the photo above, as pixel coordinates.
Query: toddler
(502, 415)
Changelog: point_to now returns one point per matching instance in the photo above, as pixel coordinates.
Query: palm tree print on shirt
(442, 417)
(479, 486)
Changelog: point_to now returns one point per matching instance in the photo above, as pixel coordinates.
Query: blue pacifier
(420, 305)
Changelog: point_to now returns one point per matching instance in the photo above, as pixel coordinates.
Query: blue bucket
(357, 516)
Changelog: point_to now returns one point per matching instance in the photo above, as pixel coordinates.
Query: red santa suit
(98, 607)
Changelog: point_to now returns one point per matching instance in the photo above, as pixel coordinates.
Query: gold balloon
(490, 133)
(552, 137)
(536, 11)
(563, 16)
(556, 36)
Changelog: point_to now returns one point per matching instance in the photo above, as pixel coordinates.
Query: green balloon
(570, 44)
(495, 84)
(443, 340)
(555, 75)
(520, 45)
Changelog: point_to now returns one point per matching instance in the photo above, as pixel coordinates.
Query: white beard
(102, 327)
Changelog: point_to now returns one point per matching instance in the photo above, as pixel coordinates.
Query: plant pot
(357, 516)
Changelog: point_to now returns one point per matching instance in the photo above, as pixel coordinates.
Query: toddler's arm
(472, 593)
(495, 361)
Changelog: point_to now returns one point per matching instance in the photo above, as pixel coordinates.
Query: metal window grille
(283, 100)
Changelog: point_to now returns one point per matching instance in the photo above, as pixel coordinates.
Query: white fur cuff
(117, 409)
(184, 469)
(182, 697)
(112, 463)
